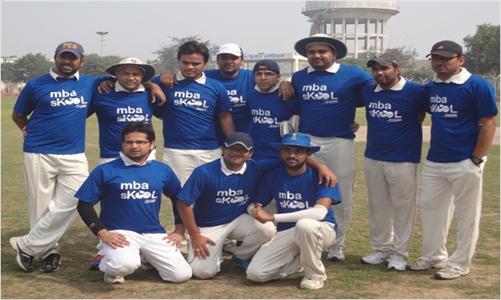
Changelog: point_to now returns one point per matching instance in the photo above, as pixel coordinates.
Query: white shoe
(422, 265)
(311, 284)
(397, 262)
(108, 278)
(451, 272)
(145, 265)
(376, 258)
(336, 253)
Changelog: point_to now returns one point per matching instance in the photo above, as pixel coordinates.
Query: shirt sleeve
(485, 99)
(329, 192)
(172, 185)
(264, 194)
(25, 103)
(91, 191)
(193, 188)
(223, 103)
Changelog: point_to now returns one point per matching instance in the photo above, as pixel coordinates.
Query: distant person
(463, 115)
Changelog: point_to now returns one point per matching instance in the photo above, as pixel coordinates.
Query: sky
(140, 28)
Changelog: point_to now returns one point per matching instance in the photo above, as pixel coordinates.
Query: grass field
(349, 279)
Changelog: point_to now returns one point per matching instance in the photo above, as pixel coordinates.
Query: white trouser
(447, 188)
(291, 249)
(392, 188)
(52, 181)
(245, 228)
(339, 155)
(183, 161)
(164, 257)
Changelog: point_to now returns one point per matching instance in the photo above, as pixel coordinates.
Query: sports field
(349, 279)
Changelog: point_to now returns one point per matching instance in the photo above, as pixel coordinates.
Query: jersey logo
(131, 114)
(262, 116)
(291, 200)
(191, 100)
(233, 197)
(137, 191)
(383, 110)
(439, 105)
(235, 99)
(314, 92)
(65, 98)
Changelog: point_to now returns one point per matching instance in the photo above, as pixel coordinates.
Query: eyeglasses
(130, 143)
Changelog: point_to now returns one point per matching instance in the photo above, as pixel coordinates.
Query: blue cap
(71, 47)
(298, 139)
(240, 138)
(267, 64)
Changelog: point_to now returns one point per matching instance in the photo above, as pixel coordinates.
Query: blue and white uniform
(130, 196)
(449, 177)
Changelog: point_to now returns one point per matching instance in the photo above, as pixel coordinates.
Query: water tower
(361, 25)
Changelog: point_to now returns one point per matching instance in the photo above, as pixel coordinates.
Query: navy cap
(239, 138)
(267, 64)
(446, 49)
(382, 61)
(298, 139)
(71, 47)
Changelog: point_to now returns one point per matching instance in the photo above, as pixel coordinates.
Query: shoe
(51, 263)
(397, 262)
(95, 261)
(23, 259)
(376, 258)
(451, 272)
(145, 265)
(422, 265)
(336, 253)
(242, 263)
(108, 278)
(311, 284)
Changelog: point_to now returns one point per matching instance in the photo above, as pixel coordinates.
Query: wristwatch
(476, 160)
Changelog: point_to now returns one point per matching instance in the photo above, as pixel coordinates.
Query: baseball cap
(267, 64)
(446, 49)
(69, 46)
(148, 70)
(230, 48)
(382, 61)
(239, 138)
(298, 139)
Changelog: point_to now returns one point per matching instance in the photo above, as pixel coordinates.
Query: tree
(25, 68)
(96, 65)
(482, 50)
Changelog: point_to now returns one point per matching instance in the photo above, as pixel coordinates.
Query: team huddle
(254, 165)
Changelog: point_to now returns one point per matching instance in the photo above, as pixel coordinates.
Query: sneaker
(145, 265)
(397, 262)
(95, 261)
(51, 263)
(376, 258)
(336, 253)
(451, 272)
(422, 265)
(23, 259)
(242, 263)
(311, 284)
(108, 278)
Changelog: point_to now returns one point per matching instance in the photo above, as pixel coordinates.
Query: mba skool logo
(191, 100)
(65, 98)
(291, 200)
(131, 114)
(263, 116)
(236, 99)
(137, 191)
(439, 105)
(384, 111)
(315, 92)
(231, 196)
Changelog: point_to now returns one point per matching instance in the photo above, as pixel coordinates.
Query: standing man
(463, 114)
(130, 191)
(328, 93)
(394, 109)
(305, 220)
(54, 160)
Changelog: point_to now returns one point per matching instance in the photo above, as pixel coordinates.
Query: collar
(273, 89)
(56, 76)
(129, 162)
(459, 78)
(397, 87)
(332, 69)
(120, 88)
(201, 80)
(229, 172)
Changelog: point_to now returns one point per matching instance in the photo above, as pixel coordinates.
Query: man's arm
(316, 212)
(324, 173)
(285, 90)
(21, 122)
(226, 121)
(485, 136)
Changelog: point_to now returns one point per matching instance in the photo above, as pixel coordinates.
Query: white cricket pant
(339, 155)
(245, 228)
(183, 161)
(51, 181)
(392, 189)
(448, 188)
(291, 249)
(164, 257)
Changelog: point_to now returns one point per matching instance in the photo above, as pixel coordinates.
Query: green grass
(349, 279)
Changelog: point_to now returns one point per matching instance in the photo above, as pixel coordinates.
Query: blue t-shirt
(114, 110)
(327, 101)
(455, 112)
(267, 111)
(58, 111)
(394, 132)
(237, 88)
(130, 196)
(190, 114)
(295, 193)
(219, 199)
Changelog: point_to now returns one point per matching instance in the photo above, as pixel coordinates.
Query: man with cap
(328, 93)
(463, 114)
(54, 160)
(394, 108)
(305, 220)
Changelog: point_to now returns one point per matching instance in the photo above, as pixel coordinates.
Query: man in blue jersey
(328, 93)
(54, 160)
(304, 218)
(194, 105)
(394, 109)
(130, 191)
(463, 114)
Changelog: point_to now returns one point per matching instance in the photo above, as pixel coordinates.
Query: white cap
(230, 48)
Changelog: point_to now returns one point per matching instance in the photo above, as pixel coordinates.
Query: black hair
(142, 127)
(193, 47)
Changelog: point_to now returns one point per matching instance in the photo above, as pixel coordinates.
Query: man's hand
(174, 238)
(199, 245)
(113, 239)
(285, 90)
(260, 214)
(168, 78)
(354, 127)
(326, 176)
(105, 87)
(156, 93)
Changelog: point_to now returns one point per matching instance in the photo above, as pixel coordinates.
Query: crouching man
(130, 191)
(305, 220)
